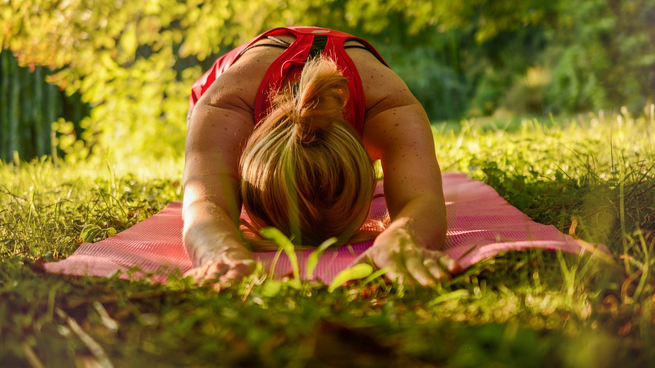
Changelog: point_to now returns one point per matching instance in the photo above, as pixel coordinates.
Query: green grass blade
(283, 242)
(376, 274)
(356, 272)
(312, 260)
(457, 294)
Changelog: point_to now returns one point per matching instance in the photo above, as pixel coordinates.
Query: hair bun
(319, 99)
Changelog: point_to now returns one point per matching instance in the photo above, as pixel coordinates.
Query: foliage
(133, 62)
(488, 17)
(429, 65)
(592, 177)
(28, 106)
(129, 60)
(602, 55)
(497, 71)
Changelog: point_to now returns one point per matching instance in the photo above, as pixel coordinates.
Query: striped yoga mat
(480, 225)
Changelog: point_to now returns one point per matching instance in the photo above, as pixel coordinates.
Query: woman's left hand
(398, 250)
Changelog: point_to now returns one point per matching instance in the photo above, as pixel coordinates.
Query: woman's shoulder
(383, 88)
(240, 82)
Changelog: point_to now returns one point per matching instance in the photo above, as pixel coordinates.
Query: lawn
(591, 176)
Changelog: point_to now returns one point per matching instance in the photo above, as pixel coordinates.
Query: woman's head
(304, 170)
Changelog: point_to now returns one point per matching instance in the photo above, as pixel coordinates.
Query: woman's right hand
(223, 265)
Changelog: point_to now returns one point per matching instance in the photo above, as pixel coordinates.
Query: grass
(590, 177)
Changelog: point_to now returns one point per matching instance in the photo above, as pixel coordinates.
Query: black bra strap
(278, 40)
(317, 46)
(263, 44)
(364, 48)
(356, 47)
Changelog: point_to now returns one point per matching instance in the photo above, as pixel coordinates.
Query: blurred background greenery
(85, 79)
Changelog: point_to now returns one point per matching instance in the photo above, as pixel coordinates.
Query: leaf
(285, 244)
(271, 288)
(128, 41)
(89, 233)
(295, 283)
(312, 260)
(450, 296)
(356, 272)
(376, 274)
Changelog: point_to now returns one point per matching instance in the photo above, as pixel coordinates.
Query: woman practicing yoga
(289, 125)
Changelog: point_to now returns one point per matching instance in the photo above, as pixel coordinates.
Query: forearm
(412, 178)
(208, 230)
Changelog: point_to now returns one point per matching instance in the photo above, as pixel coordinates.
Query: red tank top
(291, 62)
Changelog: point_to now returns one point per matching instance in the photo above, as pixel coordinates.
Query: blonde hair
(304, 170)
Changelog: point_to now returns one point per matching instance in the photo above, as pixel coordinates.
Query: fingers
(222, 272)
(215, 271)
(208, 271)
(435, 269)
(422, 265)
(435, 265)
(239, 271)
(395, 276)
(382, 260)
(449, 264)
(419, 271)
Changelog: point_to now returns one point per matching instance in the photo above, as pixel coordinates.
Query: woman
(290, 124)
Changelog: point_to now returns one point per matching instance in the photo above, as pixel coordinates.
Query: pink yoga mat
(480, 225)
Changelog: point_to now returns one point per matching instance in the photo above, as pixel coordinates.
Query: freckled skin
(395, 122)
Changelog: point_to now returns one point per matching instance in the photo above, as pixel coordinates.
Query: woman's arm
(398, 132)
(402, 139)
(211, 210)
(218, 129)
